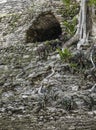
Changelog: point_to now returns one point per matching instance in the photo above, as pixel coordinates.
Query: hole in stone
(45, 27)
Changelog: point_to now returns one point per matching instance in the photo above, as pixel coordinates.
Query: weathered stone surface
(40, 94)
(22, 20)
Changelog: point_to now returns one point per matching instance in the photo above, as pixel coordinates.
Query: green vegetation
(69, 12)
(66, 2)
(70, 26)
(65, 54)
(92, 2)
(73, 65)
(14, 20)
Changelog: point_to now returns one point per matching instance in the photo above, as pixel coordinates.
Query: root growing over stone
(83, 29)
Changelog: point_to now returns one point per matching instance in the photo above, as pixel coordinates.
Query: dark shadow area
(45, 27)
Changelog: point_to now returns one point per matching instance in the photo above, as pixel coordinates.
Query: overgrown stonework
(41, 92)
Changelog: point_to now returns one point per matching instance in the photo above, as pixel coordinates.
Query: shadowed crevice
(45, 27)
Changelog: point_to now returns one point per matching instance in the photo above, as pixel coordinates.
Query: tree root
(82, 33)
(73, 40)
(93, 89)
(91, 57)
(41, 88)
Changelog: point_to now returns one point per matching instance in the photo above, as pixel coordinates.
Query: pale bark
(82, 35)
(83, 29)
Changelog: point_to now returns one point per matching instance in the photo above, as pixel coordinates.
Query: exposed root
(41, 89)
(82, 33)
(71, 41)
(92, 72)
(91, 58)
(93, 89)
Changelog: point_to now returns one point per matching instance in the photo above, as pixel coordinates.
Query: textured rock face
(45, 27)
(36, 93)
(31, 20)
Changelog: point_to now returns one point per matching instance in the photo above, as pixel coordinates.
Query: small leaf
(64, 54)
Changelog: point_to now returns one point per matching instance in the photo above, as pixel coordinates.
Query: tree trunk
(84, 26)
